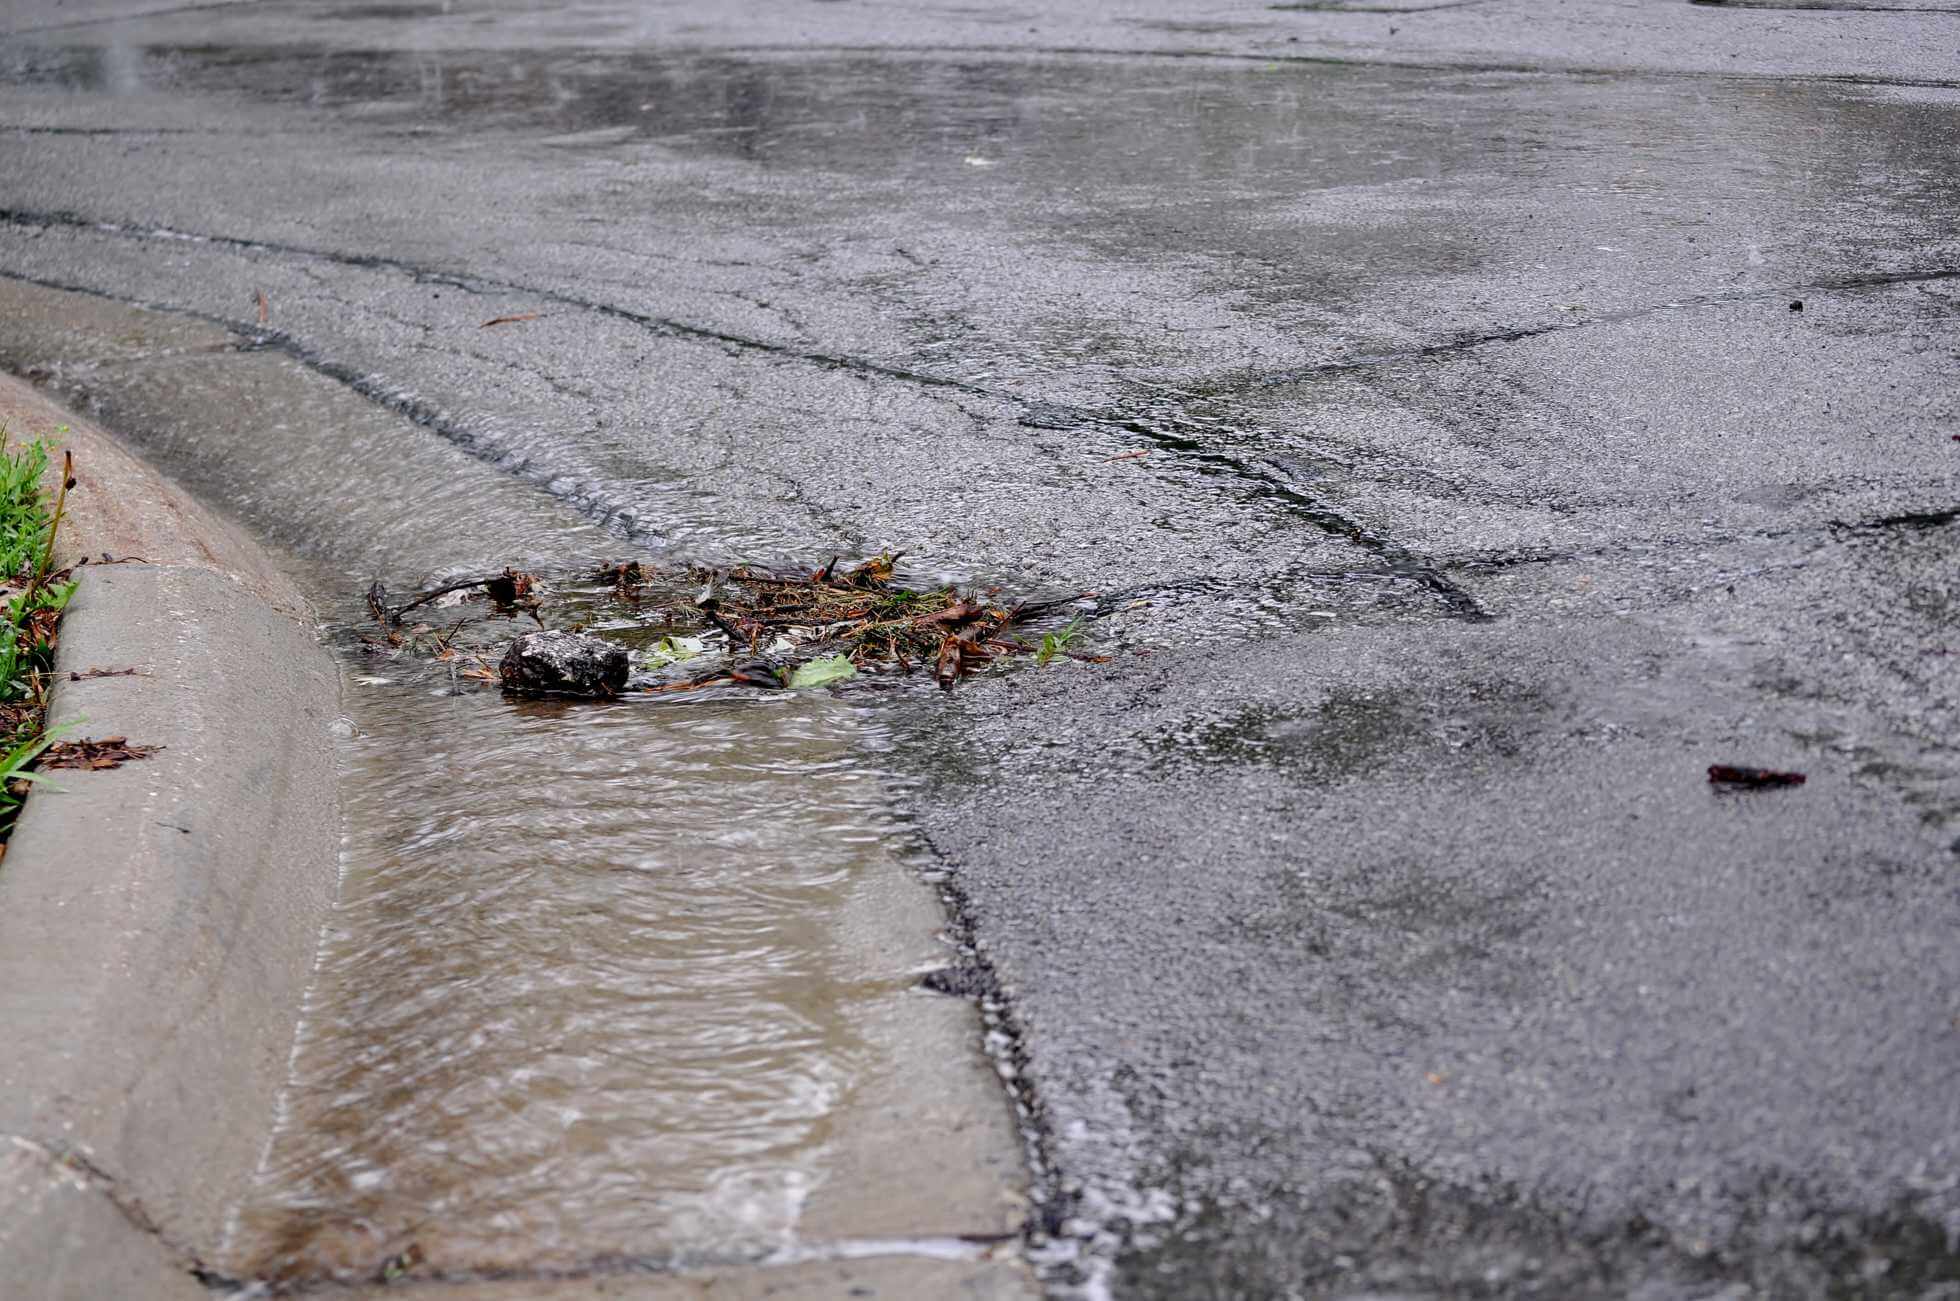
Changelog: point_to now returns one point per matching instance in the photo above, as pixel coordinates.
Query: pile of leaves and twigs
(109, 752)
(693, 627)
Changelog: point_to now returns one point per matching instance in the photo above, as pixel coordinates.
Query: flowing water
(596, 992)
(582, 999)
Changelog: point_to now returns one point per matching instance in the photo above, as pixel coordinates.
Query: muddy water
(580, 1000)
(595, 992)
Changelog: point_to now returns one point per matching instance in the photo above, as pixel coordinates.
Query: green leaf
(822, 672)
(1054, 643)
(673, 650)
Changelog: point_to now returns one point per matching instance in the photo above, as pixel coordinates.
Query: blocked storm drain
(632, 630)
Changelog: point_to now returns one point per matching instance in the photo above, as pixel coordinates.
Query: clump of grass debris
(32, 595)
(695, 627)
(857, 617)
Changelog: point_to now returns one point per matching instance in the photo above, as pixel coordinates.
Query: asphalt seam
(477, 284)
(1470, 342)
(1466, 65)
(1007, 1043)
(667, 326)
(124, 18)
(1814, 7)
(575, 492)
(1269, 481)
(1338, 61)
(1266, 477)
(1337, 7)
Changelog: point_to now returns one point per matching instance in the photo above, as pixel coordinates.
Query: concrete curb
(158, 922)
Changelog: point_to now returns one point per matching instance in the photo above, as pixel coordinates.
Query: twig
(444, 639)
(107, 673)
(395, 616)
(734, 635)
(692, 684)
(1031, 609)
(60, 504)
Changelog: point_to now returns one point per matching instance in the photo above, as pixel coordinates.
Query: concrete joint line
(78, 1171)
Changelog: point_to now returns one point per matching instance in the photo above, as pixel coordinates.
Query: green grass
(1057, 643)
(31, 598)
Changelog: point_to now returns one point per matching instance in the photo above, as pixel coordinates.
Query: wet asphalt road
(1537, 408)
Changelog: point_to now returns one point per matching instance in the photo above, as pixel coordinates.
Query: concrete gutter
(158, 922)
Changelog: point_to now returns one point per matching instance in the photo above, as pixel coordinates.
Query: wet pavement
(1511, 417)
(619, 990)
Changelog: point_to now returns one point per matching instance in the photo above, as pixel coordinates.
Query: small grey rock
(563, 663)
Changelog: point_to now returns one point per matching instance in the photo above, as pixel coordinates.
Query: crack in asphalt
(1470, 342)
(580, 495)
(477, 284)
(1493, 561)
(21, 129)
(1930, 519)
(1497, 560)
(1267, 479)
(1271, 56)
(123, 17)
(1831, 7)
(1338, 7)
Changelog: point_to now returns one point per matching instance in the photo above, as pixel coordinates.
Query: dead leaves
(959, 656)
(858, 613)
(109, 752)
(626, 579)
(747, 626)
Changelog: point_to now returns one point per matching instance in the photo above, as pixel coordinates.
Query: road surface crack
(1267, 480)
(1471, 341)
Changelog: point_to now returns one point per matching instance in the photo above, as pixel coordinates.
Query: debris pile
(635, 628)
(858, 615)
